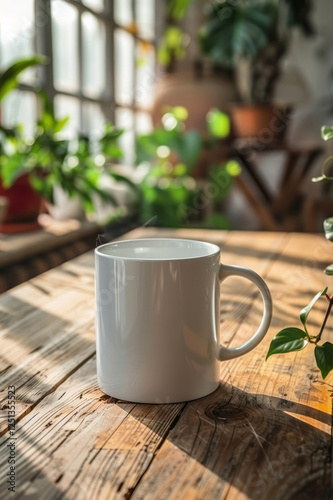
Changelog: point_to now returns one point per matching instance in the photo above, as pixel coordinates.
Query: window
(102, 62)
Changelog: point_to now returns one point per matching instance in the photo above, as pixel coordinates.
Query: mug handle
(234, 352)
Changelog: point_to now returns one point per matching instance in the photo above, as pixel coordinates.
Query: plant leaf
(328, 228)
(288, 340)
(178, 8)
(8, 79)
(218, 123)
(329, 270)
(188, 147)
(306, 310)
(324, 358)
(327, 132)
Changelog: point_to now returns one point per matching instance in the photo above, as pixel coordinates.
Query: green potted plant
(251, 38)
(192, 83)
(76, 167)
(21, 200)
(170, 195)
(294, 338)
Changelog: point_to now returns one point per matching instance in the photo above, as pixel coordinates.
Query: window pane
(65, 45)
(123, 13)
(20, 107)
(97, 5)
(94, 59)
(124, 120)
(143, 123)
(145, 74)
(145, 17)
(68, 106)
(17, 34)
(124, 63)
(93, 120)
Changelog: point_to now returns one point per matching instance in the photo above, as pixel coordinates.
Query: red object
(23, 206)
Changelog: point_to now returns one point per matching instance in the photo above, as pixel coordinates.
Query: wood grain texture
(264, 434)
(79, 443)
(47, 331)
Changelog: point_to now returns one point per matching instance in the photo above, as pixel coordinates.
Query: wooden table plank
(49, 322)
(45, 323)
(76, 443)
(266, 432)
(76, 439)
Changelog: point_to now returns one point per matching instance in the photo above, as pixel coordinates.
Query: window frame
(43, 44)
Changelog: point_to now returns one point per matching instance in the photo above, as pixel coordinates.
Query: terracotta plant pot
(23, 206)
(259, 121)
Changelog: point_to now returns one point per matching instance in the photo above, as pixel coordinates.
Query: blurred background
(167, 113)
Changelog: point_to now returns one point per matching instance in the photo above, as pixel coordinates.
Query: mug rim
(215, 250)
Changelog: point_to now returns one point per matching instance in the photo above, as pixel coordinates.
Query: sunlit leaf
(9, 78)
(306, 310)
(324, 358)
(328, 228)
(327, 132)
(179, 112)
(178, 8)
(218, 123)
(233, 168)
(329, 270)
(288, 340)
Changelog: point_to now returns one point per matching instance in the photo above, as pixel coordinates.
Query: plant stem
(325, 320)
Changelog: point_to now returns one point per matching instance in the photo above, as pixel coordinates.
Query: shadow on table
(258, 444)
(36, 331)
(263, 254)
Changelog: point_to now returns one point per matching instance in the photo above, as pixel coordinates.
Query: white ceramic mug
(157, 319)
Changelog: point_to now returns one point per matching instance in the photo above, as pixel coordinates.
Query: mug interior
(158, 249)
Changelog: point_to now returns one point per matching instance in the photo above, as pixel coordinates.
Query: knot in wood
(230, 414)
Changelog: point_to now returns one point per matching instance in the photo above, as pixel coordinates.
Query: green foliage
(323, 353)
(329, 270)
(255, 31)
(187, 145)
(108, 142)
(235, 30)
(178, 8)
(171, 46)
(306, 310)
(163, 195)
(327, 132)
(9, 77)
(218, 123)
(288, 340)
(52, 161)
(328, 228)
(169, 193)
(294, 339)
(324, 358)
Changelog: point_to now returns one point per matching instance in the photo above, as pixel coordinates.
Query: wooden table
(264, 434)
